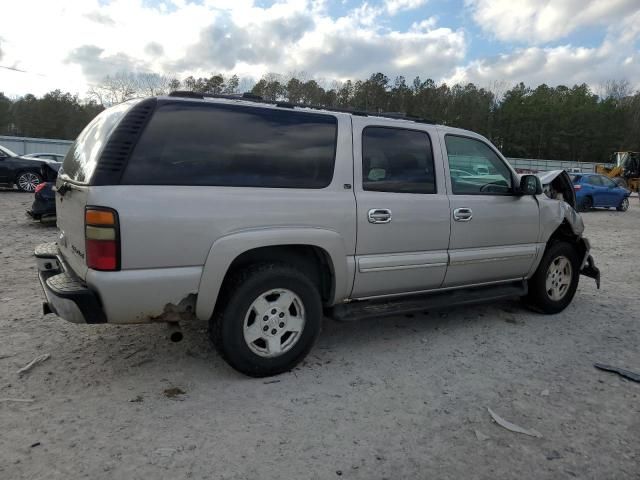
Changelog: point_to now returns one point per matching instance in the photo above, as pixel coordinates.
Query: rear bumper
(66, 295)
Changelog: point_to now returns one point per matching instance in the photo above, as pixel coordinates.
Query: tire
(560, 262)
(624, 205)
(587, 204)
(263, 297)
(27, 181)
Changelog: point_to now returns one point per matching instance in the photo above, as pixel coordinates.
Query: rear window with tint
(229, 145)
(81, 159)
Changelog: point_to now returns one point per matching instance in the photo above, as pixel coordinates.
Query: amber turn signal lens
(99, 217)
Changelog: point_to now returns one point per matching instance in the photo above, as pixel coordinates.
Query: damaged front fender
(559, 218)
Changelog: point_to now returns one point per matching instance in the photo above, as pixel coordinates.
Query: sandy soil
(401, 397)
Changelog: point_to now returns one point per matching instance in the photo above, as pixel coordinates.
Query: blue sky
(487, 42)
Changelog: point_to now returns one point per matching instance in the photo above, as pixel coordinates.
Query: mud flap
(590, 270)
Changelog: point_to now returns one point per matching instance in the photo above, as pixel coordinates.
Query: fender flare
(226, 249)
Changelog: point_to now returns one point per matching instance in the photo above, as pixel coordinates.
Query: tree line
(563, 123)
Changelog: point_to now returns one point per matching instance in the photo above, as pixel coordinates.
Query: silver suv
(262, 218)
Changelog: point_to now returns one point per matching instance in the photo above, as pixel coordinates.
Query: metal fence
(534, 165)
(24, 145)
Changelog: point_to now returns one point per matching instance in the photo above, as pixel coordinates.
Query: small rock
(165, 452)
(173, 392)
(339, 473)
(481, 436)
(553, 455)
(545, 392)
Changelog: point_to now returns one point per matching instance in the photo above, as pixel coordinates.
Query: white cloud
(395, 6)
(187, 38)
(540, 21)
(181, 37)
(616, 58)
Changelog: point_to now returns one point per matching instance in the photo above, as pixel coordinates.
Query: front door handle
(379, 215)
(462, 214)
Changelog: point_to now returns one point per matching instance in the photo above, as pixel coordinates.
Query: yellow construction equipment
(624, 169)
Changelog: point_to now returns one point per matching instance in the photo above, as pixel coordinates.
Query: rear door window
(595, 181)
(397, 160)
(188, 143)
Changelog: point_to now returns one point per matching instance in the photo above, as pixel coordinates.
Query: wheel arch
(565, 232)
(317, 250)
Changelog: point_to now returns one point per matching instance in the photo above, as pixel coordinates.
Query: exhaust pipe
(175, 334)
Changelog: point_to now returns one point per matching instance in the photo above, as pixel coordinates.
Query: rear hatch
(73, 184)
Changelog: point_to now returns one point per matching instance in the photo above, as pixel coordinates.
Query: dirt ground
(401, 397)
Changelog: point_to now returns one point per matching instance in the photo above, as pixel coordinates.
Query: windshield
(8, 152)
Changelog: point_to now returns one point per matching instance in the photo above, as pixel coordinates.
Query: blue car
(594, 190)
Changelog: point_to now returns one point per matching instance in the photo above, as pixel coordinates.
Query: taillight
(102, 234)
(40, 186)
(577, 187)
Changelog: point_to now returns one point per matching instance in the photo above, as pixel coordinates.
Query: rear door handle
(462, 214)
(379, 215)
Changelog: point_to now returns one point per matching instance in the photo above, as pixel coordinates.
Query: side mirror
(530, 185)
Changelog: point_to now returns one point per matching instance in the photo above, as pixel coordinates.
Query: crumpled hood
(554, 211)
(548, 177)
(558, 181)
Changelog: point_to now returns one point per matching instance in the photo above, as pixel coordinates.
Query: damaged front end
(559, 218)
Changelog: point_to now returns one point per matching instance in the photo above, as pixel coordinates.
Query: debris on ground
(481, 436)
(21, 400)
(271, 381)
(137, 399)
(173, 392)
(513, 427)
(134, 352)
(39, 359)
(554, 455)
(37, 444)
(620, 371)
(545, 392)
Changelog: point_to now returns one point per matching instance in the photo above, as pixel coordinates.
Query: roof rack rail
(282, 104)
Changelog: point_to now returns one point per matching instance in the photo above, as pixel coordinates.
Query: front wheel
(28, 181)
(624, 205)
(554, 284)
(268, 320)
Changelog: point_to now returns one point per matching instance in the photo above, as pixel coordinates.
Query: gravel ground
(401, 397)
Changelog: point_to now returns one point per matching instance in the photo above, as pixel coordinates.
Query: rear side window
(229, 145)
(81, 159)
(594, 180)
(397, 160)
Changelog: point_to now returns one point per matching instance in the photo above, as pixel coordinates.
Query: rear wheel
(554, 284)
(587, 204)
(624, 205)
(268, 320)
(28, 181)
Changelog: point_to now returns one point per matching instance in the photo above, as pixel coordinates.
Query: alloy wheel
(27, 182)
(274, 323)
(558, 280)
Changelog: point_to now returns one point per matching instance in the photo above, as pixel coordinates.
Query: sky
(73, 44)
